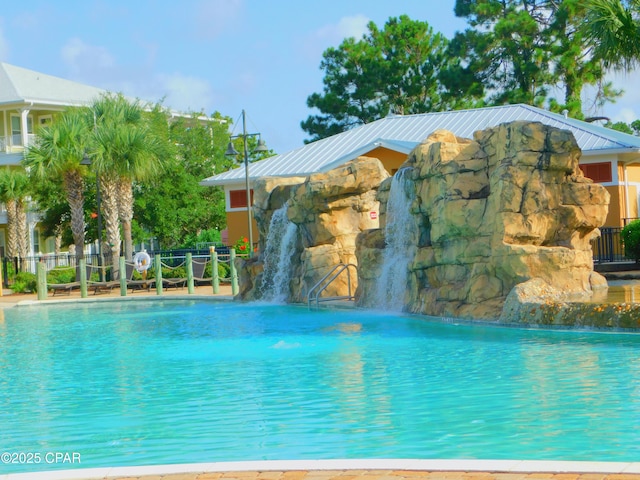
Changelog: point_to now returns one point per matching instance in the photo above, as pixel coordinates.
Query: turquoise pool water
(138, 383)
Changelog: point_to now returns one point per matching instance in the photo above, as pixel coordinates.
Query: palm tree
(125, 149)
(14, 189)
(612, 28)
(59, 150)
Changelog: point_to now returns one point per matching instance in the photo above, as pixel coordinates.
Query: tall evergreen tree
(518, 50)
(505, 51)
(390, 70)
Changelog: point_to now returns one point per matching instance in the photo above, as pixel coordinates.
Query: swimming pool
(158, 382)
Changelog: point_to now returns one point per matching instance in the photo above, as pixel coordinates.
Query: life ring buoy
(142, 262)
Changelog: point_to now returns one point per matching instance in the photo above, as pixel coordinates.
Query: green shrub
(631, 239)
(24, 282)
(178, 272)
(61, 275)
(151, 273)
(167, 272)
(223, 270)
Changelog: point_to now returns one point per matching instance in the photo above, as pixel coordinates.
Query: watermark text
(36, 458)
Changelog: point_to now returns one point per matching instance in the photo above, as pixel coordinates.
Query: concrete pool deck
(9, 299)
(317, 469)
(374, 469)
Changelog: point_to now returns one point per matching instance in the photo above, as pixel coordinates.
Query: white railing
(8, 143)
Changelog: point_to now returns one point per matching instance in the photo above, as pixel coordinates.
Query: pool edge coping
(58, 301)
(449, 465)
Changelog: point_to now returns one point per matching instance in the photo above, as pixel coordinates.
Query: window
(238, 198)
(16, 129)
(598, 172)
(44, 120)
(36, 241)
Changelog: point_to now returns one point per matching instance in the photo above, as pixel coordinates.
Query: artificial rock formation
(509, 207)
(329, 210)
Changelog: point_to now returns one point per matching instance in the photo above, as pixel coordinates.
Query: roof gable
(20, 85)
(403, 132)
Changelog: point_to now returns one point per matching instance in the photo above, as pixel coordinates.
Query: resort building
(609, 157)
(30, 100)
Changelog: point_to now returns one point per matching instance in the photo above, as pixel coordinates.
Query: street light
(232, 152)
(87, 161)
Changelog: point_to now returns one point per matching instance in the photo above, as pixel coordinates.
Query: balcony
(13, 143)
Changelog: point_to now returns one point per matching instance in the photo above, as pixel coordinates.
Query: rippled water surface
(142, 383)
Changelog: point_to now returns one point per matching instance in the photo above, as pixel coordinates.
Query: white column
(32, 221)
(6, 131)
(24, 113)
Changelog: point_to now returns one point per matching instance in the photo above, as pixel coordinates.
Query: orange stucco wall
(614, 218)
(237, 221)
(633, 202)
(238, 228)
(633, 172)
(391, 160)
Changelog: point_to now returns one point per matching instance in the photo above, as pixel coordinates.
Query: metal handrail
(341, 267)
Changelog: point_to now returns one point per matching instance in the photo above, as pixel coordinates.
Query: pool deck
(373, 469)
(376, 469)
(9, 299)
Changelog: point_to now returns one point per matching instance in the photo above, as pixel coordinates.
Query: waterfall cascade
(278, 253)
(400, 243)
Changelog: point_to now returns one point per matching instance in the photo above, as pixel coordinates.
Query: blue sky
(207, 55)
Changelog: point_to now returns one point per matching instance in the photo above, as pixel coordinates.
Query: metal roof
(20, 85)
(403, 132)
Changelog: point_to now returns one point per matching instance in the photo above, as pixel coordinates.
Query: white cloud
(80, 56)
(626, 115)
(186, 93)
(355, 26)
(30, 20)
(213, 17)
(627, 108)
(95, 65)
(332, 35)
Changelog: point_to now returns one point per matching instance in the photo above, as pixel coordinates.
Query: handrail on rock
(341, 267)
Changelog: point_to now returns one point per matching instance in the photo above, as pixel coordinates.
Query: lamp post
(87, 161)
(231, 151)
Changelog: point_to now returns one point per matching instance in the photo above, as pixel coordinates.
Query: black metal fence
(609, 247)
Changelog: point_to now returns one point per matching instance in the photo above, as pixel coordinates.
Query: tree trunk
(109, 191)
(74, 188)
(572, 93)
(125, 210)
(57, 248)
(22, 230)
(12, 233)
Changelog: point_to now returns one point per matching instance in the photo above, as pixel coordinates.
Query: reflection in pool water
(620, 291)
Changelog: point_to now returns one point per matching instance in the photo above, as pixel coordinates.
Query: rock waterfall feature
(277, 258)
(329, 210)
(494, 228)
(506, 209)
(400, 235)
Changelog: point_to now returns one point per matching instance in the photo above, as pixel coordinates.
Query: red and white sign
(373, 215)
